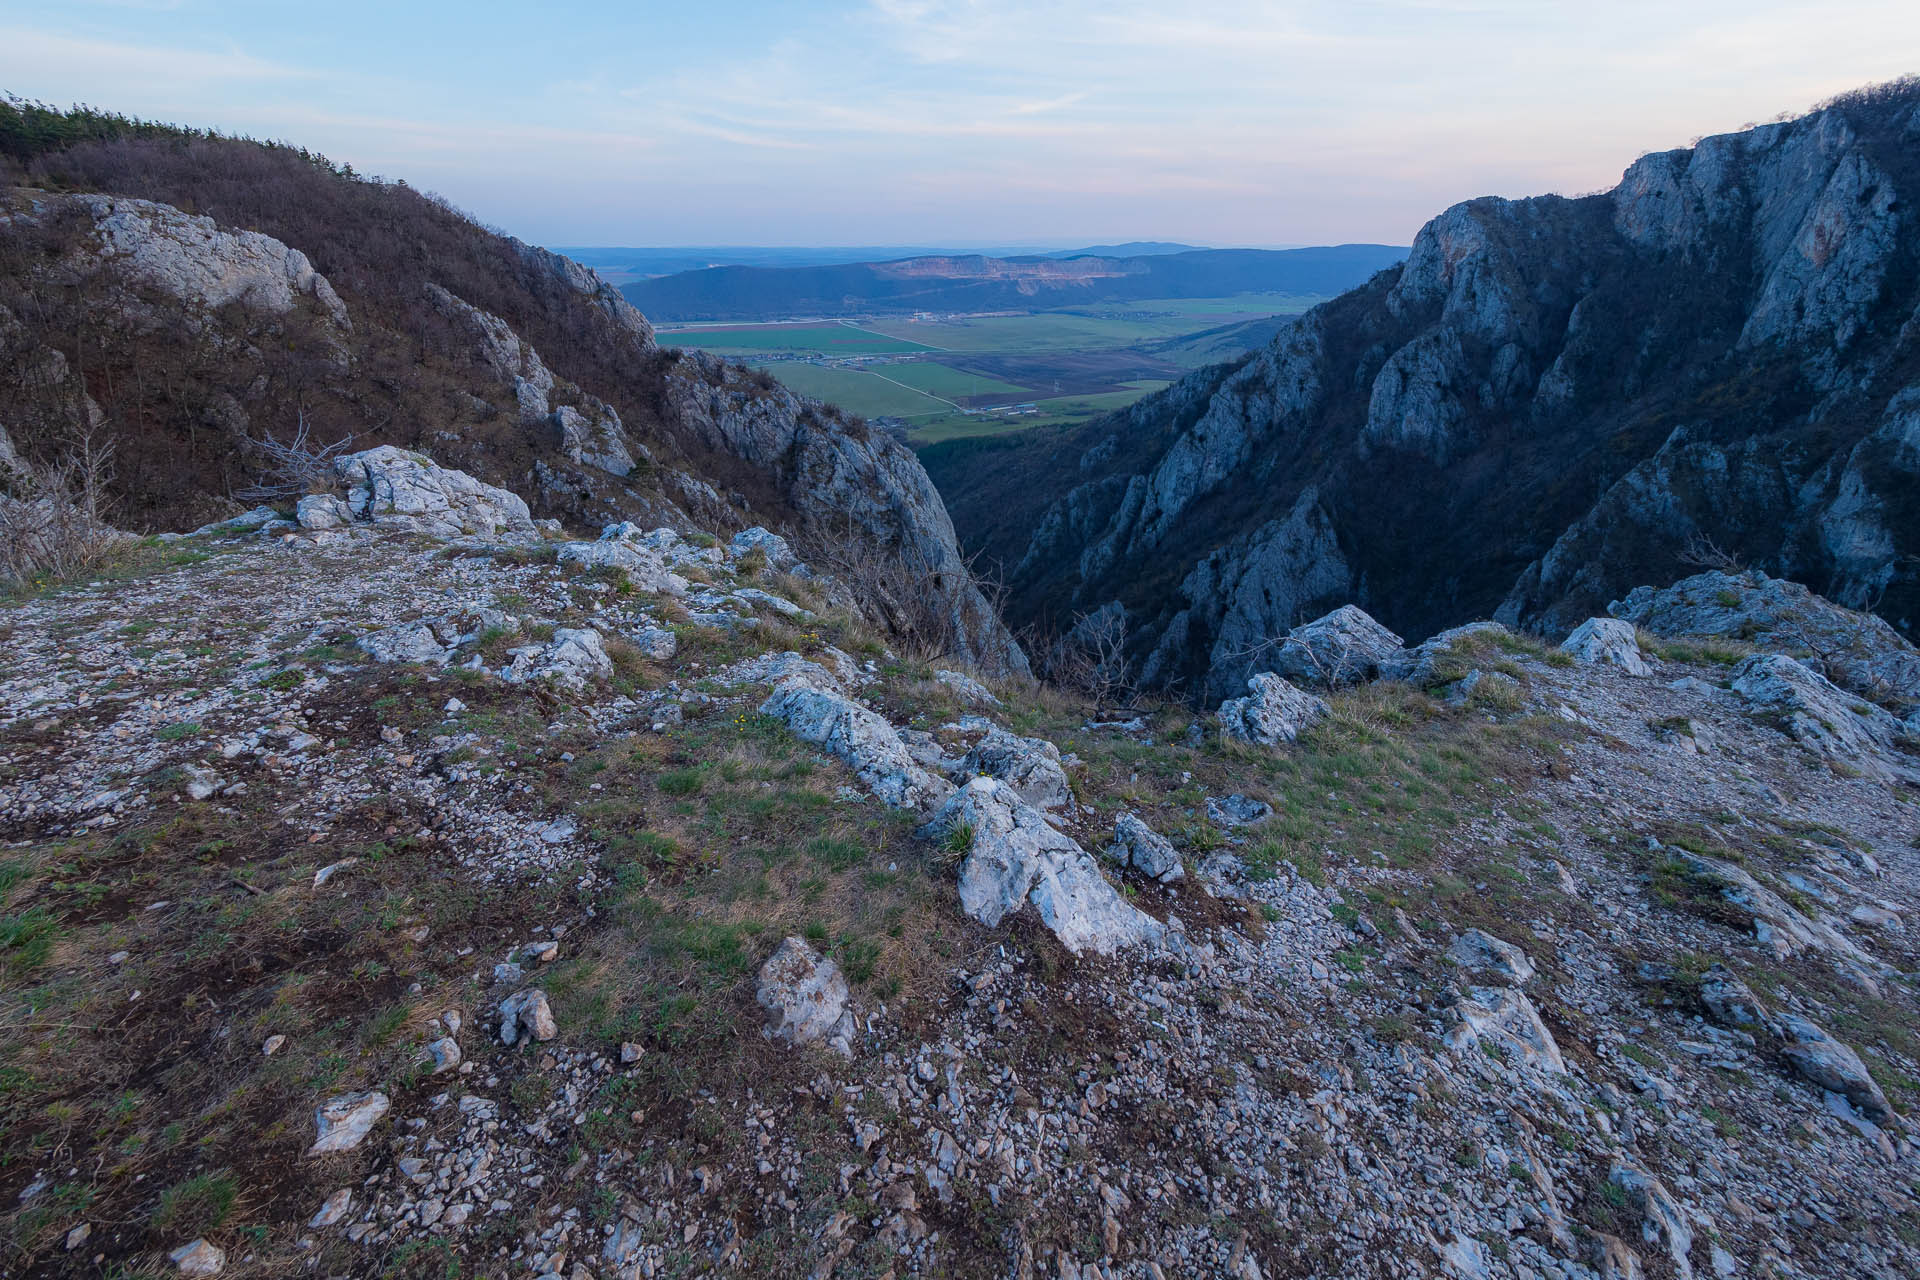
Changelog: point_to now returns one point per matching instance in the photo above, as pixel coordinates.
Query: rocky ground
(383, 899)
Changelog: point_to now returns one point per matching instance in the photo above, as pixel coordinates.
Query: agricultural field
(960, 376)
(856, 390)
(830, 338)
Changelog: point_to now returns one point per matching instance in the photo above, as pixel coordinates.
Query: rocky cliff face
(306, 303)
(1542, 408)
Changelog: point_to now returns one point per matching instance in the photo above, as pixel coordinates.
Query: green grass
(829, 338)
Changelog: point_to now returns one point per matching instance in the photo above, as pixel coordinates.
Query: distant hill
(1131, 249)
(976, 283)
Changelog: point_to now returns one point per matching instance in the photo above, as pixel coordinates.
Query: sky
(963, 122)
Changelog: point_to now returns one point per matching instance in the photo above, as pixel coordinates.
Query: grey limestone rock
(1015, 857)
(1273, 712)
(805, 997)
(1137, 845)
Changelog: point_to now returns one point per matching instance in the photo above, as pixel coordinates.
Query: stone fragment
(395, 488)
(334, 1210)
(1031, 766)
(1662, 1221)
(805, 997)
(199, 1258)
(1490, 959)
(1824, 719)
(1013, 857)
(1730, 1002)
(1504, 1018)
(1342, 647)
(1137, 845)
(1236, 810)
(1859, 652)
(445, 1053)
(345, 1121)
(574, 657)
(526, 1015)
(861, 738)
(1832, 1065)
(966, 688)
(407, 642)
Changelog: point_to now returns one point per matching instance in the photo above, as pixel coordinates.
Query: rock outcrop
(399, 489)
(1548, 404)
(1014, 857)
(1858, 651)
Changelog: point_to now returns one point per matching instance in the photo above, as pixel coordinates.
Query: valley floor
(248, 869)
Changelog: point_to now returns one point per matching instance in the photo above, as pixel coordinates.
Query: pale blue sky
(923, 121)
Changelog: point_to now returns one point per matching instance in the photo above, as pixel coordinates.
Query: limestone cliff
(1542, 408)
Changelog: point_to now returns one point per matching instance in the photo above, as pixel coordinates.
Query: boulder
(1609, 641)
(1777, 924)
(622, 546)
(805, 997)
(395, 488)
(322, 512)
(772, 547)
(1137, 845)
(966, 688)
(857, 736)
(407, 642)
(1858, 651)
(344, 1122)
(1490, 959)
(1730, 1002)
(526, 1015)
(1014, 856)
(595, 441)
(656, 643)
(1832, 1065)
(1031, 766)
(1504, 1018)
(1343, 647)
(1273, 712)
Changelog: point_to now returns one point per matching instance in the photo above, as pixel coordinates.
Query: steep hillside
(981, 284)
(1548, 404)
(190, 301)
(383, 900)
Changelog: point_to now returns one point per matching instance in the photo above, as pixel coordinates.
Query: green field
(830, 338)
(855, 390)
(939, 380)
(1072, 365)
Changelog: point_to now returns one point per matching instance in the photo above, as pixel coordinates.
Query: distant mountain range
(632, 261)
(979, 283)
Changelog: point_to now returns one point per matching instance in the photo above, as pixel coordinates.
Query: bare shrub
(899, 589)
(1702, 552)
(52, 515)
(293, 467)
(1092, 659)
